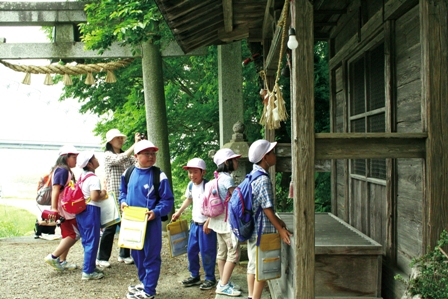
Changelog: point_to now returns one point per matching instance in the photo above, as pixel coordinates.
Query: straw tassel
(67, 80)
(110, 77)
(48, 79)
(89, 79)
(27, 79)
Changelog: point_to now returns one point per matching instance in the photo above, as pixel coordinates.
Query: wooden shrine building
(388, 65)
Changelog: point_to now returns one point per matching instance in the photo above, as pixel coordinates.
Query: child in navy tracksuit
(201, 240)
(139, 192)
(89, 220)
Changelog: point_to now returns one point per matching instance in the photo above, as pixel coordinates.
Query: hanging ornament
(48, 80)
(27, 79)
(89, 79)
(110, 77)
(67, 80)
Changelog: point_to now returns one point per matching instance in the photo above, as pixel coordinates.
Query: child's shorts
(226, 250)
(69, 228)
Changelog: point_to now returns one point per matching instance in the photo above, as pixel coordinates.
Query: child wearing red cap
(139, 192)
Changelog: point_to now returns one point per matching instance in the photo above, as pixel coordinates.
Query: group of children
(209, 238)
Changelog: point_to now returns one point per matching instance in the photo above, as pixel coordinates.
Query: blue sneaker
(227, 290)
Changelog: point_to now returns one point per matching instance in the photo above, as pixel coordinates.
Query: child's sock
(54, 257)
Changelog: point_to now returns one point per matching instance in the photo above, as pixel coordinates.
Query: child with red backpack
(89, 221)
(62, 174)
(201, 239)
(228, 252)
(262, 154)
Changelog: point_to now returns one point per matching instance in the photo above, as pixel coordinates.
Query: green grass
(15, 222)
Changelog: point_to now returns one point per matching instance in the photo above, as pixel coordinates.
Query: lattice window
(367, 106)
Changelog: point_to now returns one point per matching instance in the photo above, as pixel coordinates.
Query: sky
(33, 112)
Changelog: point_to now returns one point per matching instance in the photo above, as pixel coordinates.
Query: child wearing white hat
(262, 154)
(61, 176)
(89, 221)
(228, 252)
(116, 160)
(201, 240)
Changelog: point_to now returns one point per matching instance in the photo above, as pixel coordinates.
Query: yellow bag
(133, 228)
(178, 233)
(269, 257)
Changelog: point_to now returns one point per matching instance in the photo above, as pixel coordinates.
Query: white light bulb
(292, 41)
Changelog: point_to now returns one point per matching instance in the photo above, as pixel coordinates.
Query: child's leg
(233, 255)
(89, 227)
(70, 234)
(207, 245)
(193, 249)
(251, 253)
(149, 260)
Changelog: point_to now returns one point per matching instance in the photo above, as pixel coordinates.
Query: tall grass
(15, 222)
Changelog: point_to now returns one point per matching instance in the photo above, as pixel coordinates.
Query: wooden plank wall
(408, 114)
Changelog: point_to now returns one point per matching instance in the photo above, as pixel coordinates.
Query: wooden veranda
(208, 22)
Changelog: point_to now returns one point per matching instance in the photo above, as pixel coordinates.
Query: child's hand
(175, 216)
(285, 234)
(123, 205)
(151, 215)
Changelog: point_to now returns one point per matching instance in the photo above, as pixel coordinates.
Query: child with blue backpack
(262, 154)
(139, 191)
(201, 239)
(228, 252)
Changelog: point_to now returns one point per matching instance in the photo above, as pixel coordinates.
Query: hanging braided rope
(274, 110)
(67, 70)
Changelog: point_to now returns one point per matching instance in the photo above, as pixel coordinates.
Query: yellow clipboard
(178, 233)
(269, 257)
(133, 228)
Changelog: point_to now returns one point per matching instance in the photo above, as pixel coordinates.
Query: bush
(431, 282)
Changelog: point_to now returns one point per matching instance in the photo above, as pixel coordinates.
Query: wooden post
(302, 149)
(155, 105)
(434, 41)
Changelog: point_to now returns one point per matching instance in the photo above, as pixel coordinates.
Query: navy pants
(204, 244)
(89, 223)
(148, 260)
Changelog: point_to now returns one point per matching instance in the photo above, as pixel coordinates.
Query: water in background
(20, 170)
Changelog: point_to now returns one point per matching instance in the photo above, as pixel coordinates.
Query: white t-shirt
(219, 223)
(92, 183)
(196, 195)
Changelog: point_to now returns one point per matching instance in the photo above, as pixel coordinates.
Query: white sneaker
(126, 260)
(54, 262)
(68, 266)
(91, 276)
(103, 264)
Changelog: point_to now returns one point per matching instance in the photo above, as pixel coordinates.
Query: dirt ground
(25, 275)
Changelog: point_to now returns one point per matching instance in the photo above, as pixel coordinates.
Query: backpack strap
(255, 176)
(127, 174)
(156, 181)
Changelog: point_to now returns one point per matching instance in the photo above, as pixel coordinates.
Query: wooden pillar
(302, 149)
(230, 77)
(434, 42)
(156, 121)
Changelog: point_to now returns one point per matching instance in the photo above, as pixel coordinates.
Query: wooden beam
(271, 62)
(303, 150)
(267, 20)
(239, 33)
(370, 145)
(394, 9)
(227, 10)
(434, 41)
